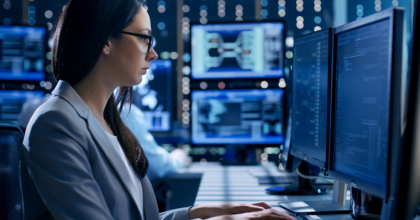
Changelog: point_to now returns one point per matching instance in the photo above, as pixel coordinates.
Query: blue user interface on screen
(153, 95)
(310, 95)
(363, 79)
(22, 53)
(243, 50)
(237, 117)
(11, 102)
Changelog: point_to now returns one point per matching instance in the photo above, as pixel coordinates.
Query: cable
(313, 177)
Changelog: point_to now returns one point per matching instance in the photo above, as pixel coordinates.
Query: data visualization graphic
(22, 53)
(310, 95)
(237, 117)
(363, 79)
(153, 95)
(243, 50)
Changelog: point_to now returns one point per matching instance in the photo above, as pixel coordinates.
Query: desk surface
(236, 184)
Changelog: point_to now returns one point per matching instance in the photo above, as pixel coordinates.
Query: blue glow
(317, 19)
(31, 21)
(264, 3)
(162, 3)
(7, 21)
(264, 12)
(186, 57)
(203, 7)
(161, 26)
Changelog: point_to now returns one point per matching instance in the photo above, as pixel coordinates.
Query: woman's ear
(107, 47)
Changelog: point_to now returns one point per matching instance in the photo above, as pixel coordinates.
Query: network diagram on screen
(248, 50)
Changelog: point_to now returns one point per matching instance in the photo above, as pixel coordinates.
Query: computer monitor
(366, 110)
(310, 92)
(22, 53)
(237, 117)
(153, 95)
(237, 50)
(11, 102)
(309, 122)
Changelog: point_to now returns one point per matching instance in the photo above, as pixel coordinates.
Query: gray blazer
(74, 171)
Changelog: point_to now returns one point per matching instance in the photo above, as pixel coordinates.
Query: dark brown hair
(80, 35)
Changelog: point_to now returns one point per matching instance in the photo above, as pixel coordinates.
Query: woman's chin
(138, 80)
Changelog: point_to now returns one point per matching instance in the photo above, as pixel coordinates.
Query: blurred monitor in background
(237, 50)
(237, 116)
(11, 102)
(151, 112)
(153, 96)
(22, 53)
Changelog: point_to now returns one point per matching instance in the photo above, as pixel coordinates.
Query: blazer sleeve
(57, 159)
(175, 214)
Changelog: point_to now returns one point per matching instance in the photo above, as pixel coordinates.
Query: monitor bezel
(46, 50)
(408, 196)
(192, 24)
(395, 16)
(302, 155)
(221, 144)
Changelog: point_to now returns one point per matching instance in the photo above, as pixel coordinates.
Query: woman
(83, 161)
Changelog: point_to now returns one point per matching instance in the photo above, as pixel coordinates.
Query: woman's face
(128, 55)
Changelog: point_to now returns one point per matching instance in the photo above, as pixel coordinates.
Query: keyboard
(301, 216)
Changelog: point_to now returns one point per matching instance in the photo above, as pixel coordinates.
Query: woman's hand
(268, 214)
(218, 209)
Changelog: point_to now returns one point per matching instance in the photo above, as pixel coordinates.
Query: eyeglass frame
(150, 37)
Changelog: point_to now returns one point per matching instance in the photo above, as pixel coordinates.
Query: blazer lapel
(99, 135)
(65, 91)
(149, 200)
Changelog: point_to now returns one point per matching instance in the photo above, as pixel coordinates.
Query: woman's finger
(248, 208)
(262, 204)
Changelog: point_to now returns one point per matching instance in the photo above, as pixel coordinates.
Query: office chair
(11, 202)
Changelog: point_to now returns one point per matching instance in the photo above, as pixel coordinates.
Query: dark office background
(171, 26)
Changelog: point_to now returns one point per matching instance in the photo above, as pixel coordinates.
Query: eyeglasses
(146, 39)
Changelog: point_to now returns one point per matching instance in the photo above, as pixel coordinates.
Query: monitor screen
(310, 95)
(11, 102)
(153, 95)
(237, 117)
(22, 53)
(362, 103)
(239, 50)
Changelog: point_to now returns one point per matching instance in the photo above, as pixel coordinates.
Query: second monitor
(237, 116)
(310, 103)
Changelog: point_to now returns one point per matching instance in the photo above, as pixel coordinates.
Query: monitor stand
(339, 204)
(305, 186)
